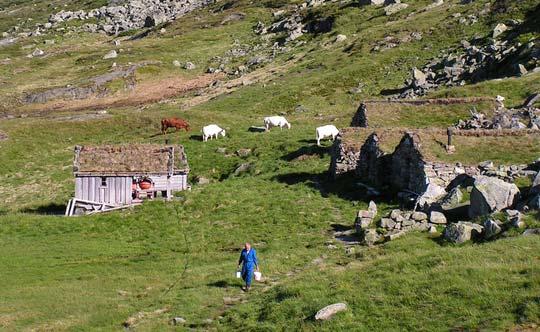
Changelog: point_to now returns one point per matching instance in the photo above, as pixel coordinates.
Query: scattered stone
(111, 55)
(491, 195)
(370, 236)
(531, 231)
(177, 63)
(419, 216)
(515, 218)
(178, 321)
(221, 150)
(387, 223)
(189, 66)
(243, 152)
(243, 169)
(329, 311)
(491, 228)
(37, 53)
(499, 29)
(340, 38)
(394, 8)
(461, 232)
(394, 235)
(432, 229)
(201, 180)
(437, 218)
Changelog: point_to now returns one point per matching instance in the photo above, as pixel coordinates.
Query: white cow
(324, 132)
(276, 121)
(211, 131)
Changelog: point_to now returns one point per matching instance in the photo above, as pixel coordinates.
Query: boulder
(111, 55)
(201, 180)
(387, 223)
(535, 187)
(491, 228)
(461, 232)
(243, 152)
(419, 216)
(243, 168)
(515, 218)
(419, 78)
(372, 207)
(370, 236)
(499, 29)
(437, 218)
(394, 8)
(452, 198)
(189, 66)
(329, 311)
(432, 194)
(178, 321)
(490, 195)
(394, 235)
(531, 231)
(177, 63)
(340, 38)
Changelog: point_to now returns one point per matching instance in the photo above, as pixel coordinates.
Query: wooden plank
(78, 187)
(128, 181)
(68, 207)
(117, 191)
(92, 189)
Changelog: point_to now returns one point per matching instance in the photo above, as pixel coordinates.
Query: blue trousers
(247, 273)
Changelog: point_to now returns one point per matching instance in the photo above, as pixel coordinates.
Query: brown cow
(173, 123)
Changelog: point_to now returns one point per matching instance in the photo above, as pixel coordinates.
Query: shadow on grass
(196, 138)
(220, 284)
(49, 209)
(306, 152)
(345, 187)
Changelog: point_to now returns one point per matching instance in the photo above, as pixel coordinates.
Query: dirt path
(156, 91)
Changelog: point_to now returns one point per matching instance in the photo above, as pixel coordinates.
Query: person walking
(248, 259)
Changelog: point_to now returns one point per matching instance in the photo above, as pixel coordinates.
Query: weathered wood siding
(174, 183)
(116, 191)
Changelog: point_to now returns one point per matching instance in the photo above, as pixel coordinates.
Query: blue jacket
(248, 259)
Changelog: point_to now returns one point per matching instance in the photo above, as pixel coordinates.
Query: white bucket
(258, 276)
(238, 274)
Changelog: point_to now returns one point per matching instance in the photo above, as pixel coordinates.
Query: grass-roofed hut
(114, 176)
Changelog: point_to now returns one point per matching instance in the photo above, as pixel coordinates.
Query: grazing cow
(276, 121)
(324, 132)
(212, 131)
(173, 123)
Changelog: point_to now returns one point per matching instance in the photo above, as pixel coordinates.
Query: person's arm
(241, 258)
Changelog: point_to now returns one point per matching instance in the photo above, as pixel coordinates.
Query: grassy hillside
(177, 259)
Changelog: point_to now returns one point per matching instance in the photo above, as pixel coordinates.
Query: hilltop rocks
(491, 195)
(329, 311)
(128, 15)
(461, 232)
(473, 63)
(516, 119)
(394, 8)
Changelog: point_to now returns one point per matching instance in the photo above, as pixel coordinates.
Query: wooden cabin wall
(174, 183)
(117, 190)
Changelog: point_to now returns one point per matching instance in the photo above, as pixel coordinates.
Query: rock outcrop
(133, 14)
(491, 195)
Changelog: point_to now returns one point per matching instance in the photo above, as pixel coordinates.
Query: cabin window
(103, 181)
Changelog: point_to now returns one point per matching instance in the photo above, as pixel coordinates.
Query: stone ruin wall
(404, 169)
